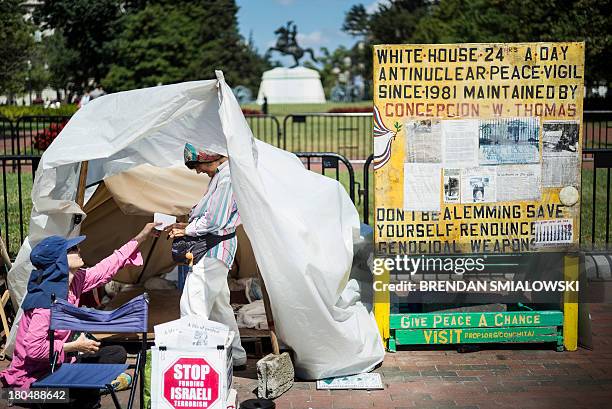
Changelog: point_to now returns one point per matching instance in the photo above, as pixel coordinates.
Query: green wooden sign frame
(476, 327)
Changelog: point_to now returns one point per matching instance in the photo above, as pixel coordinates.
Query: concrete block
(275, 375)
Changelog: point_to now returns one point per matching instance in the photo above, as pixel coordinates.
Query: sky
(319, 22)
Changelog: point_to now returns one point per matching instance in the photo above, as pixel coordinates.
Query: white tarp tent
(301, 224)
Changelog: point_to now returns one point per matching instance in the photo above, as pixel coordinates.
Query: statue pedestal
(297, 85)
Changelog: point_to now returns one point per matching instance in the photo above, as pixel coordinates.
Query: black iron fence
(367, 192)
(33, 134)
(597, 131)
(595, 206)
(6, 136)
(16, 185)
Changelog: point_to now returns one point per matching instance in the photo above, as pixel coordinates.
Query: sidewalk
(493, 378)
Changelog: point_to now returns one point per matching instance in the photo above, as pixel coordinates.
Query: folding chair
(131, 317)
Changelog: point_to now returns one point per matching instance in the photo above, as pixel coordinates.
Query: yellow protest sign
(477, 147)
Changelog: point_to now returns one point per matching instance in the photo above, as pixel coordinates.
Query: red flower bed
(345, 110)
(43, 138)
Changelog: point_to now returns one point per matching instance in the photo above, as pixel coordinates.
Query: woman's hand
(148, 230)
(176, 226)
(82, 344)
(176, 230)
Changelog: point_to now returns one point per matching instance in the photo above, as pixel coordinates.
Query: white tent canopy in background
(298, 85)
(301, 224)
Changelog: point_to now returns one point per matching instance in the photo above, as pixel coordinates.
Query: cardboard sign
(191, 383)
(191, 378)
(191, 365)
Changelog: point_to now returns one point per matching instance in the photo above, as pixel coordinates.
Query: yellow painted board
(382, 310)
(525, 87)
(571, 271)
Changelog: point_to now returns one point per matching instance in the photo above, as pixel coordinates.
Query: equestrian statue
(286, 44)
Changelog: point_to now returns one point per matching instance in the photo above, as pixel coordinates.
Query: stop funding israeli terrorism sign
(191, 383)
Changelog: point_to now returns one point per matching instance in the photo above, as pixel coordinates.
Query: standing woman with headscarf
(212, 222)
(59, 271)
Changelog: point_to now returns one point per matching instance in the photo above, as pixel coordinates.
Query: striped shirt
(217, 213)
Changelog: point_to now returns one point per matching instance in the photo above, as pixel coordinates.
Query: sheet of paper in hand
(165, 220)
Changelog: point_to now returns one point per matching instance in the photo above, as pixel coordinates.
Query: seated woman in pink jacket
(59, 271)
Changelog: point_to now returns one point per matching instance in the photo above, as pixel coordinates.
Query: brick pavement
(492, 378)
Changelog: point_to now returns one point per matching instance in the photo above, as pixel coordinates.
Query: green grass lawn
(13, 198)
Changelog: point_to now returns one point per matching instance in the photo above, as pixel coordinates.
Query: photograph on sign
(460, 143)
(560, 153)
(478, 185)
(560, 137)
(452, 185)
(509, 141)
(519, 182)
(424, 141)
(554, 232)
(422, 186)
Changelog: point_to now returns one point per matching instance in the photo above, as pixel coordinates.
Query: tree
(330, 62)
(38, 73)
(456, 21)
(222, 47)
(155, 47)
(343, 60)
(397, 22)
(172, 41)
(357, 21)
(16, 43)
(526, 21)
(87, 26)
(392, 23)
(60, 59)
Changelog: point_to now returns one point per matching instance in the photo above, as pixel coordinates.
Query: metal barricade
(348, 134)
(266, 128)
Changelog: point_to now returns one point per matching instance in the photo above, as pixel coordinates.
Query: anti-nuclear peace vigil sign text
(471, 76)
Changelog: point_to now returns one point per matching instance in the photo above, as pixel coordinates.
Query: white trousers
(207, 294)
